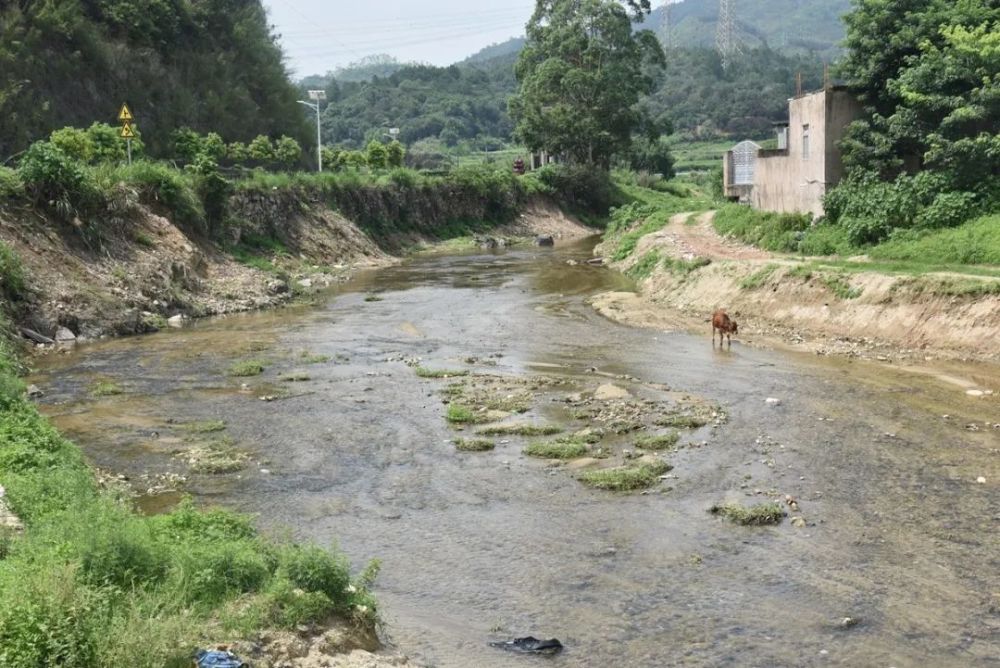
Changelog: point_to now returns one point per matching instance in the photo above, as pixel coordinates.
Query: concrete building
(794, 177)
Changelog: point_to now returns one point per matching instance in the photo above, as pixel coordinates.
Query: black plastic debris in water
(217, 659)
(530, 645)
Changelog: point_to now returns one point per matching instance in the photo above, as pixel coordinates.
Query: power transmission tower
(727, 42)
(668, 28)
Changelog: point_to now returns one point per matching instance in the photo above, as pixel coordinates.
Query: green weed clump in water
(247, 368)
(474, 445)
(459, 414)
(519, 430)
(91, 583)
(216, 457)
(682, 422)
(372, 298)
(758, 515)
(758, 278)
(661, 442)
(626, 478)
(106, 388)
(309, 358)
(424, 372)
(204, 426)
(296, 378)
(563, 448)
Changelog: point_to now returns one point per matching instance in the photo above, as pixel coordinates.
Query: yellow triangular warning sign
(125, 115)
(127, 132)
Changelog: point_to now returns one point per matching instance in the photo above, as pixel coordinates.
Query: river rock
(277, 287)
(64, 335)
(545, 241)
(596, 262)
(772, 401)
(35, 392)
(608, 392)
(798, 522)
(975, 393)
(176, 320)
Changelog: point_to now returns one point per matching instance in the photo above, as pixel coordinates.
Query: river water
(900, 537)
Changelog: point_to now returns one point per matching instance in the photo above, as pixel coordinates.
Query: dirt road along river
(898, 563)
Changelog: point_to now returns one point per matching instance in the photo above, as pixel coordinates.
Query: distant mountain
(507, 49)
(791, 26)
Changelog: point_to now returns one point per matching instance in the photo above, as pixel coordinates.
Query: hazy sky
(319, 35)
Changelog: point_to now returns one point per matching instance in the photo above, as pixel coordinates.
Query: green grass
(645, 266)
(216, 457)
(204, 426)
(106, 388)
(372, 298)
(519, 430)
(474, 445)
(758, 515)
(691, 155)
(772, 231)
(658, 442)
(625, 478)
(803, 271)
(562, 448)
(839, 286)
(92, 583)
(309, 358)
(758, 278)
(424, 372)
(684, 268)
(459, 414)
(975, 242)
(246, 368)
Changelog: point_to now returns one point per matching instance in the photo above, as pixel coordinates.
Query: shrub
(12, 280)
(10, 184)
(580, 188)
(55, 180)
(772, 231)
(74, 142)
(108, 146)
(313, 569)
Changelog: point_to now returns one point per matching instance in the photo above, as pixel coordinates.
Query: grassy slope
(92, 583)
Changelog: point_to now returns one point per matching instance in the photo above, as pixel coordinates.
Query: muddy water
(476, 547)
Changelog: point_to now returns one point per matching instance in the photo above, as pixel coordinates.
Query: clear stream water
(480, 547)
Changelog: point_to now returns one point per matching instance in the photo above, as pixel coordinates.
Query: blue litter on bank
(217, 659)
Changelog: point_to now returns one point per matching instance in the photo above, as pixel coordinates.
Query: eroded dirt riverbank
(352, 445)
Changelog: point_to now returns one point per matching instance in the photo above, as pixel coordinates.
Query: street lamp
(317, 96)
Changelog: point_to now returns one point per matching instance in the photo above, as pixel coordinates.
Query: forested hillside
(207, 64)
(468, 101)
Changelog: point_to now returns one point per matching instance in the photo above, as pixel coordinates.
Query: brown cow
(725, 325)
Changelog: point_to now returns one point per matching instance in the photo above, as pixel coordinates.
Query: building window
(805, 142)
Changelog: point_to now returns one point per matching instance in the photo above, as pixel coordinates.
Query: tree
(926, 72)
(213, 146)
(261, 149)
(582, 74)
(108, 145)
(237, 152)
(74, 142)
(377, 155)
(397, 154)
(287, 152)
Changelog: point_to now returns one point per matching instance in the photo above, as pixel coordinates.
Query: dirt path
(698, 237)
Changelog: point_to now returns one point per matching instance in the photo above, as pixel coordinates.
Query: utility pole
(727, 42)
(317, 96)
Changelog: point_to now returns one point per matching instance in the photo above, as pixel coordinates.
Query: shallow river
(900, 537)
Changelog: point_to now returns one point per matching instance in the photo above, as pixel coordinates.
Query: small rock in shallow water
(798, 522)
(772, 401)
(981, 480)
(35, 392)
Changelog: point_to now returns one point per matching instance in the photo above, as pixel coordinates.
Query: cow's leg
(729, 339)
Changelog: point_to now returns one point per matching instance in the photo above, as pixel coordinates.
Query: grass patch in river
(309, 358)
(296, 378)
(658, 442)
(459, 414)
(474, 445)
(424, 372)
(520, 430)
(106, 388)
(216, 457)
(204, 426)
(626, 478)
(372, 298)
(759, 515)
(246, 368)
(682, 421)
(569, 447)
